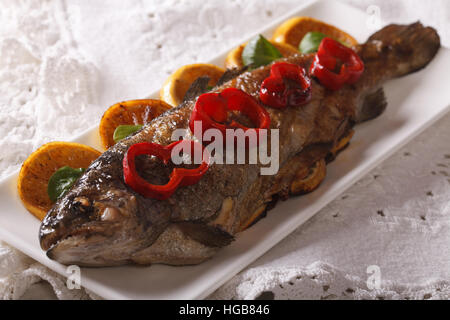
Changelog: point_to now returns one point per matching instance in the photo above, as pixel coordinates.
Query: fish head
(93, 226)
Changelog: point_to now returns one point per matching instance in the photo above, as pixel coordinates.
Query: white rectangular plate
(415, 102)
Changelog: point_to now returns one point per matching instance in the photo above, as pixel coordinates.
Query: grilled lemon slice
(178, 83)
(133, 112)
(293, 30)
(234, 57)
(315, 175)
(341, 144)
(42, 164)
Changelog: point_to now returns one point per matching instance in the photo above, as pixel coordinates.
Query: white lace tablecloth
(63, 62)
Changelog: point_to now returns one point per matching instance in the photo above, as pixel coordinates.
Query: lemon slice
(342, 143)
(42, 164)
(133, 112)
(234, 57)
(293, 30)
(304, 184)
(178, 83)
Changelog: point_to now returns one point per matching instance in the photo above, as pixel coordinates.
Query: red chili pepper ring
(287, 85)
(212, 110)
(179, 177)
(326, 62)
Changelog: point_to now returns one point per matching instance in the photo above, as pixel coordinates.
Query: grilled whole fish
(102, 222)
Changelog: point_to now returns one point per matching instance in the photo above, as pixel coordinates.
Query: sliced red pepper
(212, 110)
(326, 61)
(287, 85)
(179, 177)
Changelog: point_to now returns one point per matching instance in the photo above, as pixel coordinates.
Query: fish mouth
(47, 237)
(79, 245)
(73, 250)
(109, 241)
(76, 240)
(83, 222)
(50, 237)
(97, 250)
(92, 245)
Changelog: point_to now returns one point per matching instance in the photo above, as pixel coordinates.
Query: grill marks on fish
(199, 86)
(230, 74)
(113, 225)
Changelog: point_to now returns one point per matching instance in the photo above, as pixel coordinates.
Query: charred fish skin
(102, 222)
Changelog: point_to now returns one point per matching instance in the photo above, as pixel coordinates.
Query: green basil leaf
(124, 131)
(259, 52)
(61, 181)
(311, 41)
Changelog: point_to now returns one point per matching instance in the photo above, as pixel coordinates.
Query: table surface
(392, 225)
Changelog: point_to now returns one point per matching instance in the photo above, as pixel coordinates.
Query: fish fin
(406, 48)
(199, 86)
(210, 236)
(372, 106)
(231, 74)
